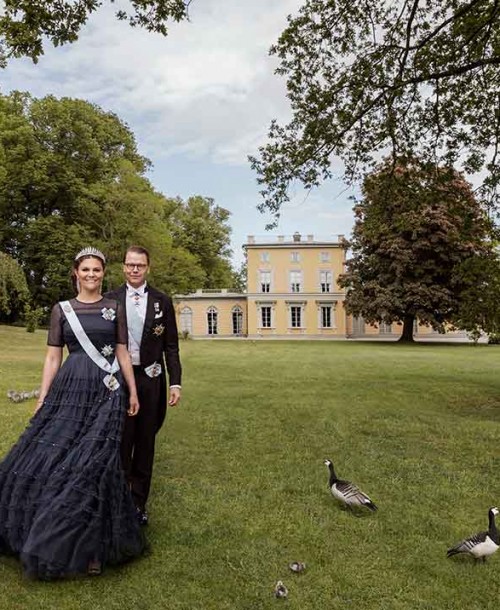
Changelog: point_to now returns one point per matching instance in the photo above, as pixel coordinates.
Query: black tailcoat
(160, 342)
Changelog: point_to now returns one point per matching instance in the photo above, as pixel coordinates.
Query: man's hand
(133, 406)
(175, 396)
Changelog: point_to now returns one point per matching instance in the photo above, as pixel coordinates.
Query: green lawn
(240, 488)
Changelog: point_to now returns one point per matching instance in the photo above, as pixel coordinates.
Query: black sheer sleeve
(55, 337)
(121, 325)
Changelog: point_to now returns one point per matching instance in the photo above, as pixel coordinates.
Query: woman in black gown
(65, 508)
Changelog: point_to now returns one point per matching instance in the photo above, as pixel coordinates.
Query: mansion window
(296, 316)
(212, 321)
(237, 315)
(265, 316)
(295, 281)
(325, 280)
(295, 257)
(385, 329)
(326, 316)
(264, 257)
(324, 257)
(265, 281)
(186, 320)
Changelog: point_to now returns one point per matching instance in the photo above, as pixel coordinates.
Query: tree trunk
(407, 334)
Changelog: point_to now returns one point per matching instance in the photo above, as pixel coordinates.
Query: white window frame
(212, 314)
(384, 329)
(294, 304)
(294, 275)
(295, 256)
(333, 313)
(325, 257)
(265, 281)
(323, 310)
(298, 309)
(264, 257)
(186, 320)
(325, 280)
(260, 305)
(237, 315)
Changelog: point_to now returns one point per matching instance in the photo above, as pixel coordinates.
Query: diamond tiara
(91, 252)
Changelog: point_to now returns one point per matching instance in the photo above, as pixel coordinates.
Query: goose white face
(495, 510)
(327, 462)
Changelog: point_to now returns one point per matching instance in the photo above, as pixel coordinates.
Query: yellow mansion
(292, 293)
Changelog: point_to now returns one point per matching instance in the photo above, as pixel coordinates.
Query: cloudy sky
(198, 101)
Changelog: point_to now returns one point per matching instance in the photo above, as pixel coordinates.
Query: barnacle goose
(482, 544)
(280, 590)
(347, 492)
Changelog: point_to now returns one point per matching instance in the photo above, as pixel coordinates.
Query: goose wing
(468, 545)
(350, 493)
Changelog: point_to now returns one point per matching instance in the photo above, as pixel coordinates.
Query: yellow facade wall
(295, 274)
(277, 260)
(200, 306)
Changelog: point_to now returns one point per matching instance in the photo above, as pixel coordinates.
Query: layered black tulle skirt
(65, 507)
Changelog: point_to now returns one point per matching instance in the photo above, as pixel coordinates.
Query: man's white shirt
(137, 298)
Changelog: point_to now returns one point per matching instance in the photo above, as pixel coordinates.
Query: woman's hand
(133, 405)
(38, 404)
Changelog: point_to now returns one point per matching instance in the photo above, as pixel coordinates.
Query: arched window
(212, 321)
(186, 320)
(237, 314)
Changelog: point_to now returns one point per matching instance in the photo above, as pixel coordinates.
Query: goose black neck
(333, 476)
(492, 530)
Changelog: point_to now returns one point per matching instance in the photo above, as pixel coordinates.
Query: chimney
(296, 236)
(251, 239)
(310, 238)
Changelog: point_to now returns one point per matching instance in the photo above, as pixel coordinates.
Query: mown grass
(240, 488)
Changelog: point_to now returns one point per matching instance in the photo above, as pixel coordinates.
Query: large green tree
(202, 228)
(478, 311)
(416, 227)
(70, 175)
(25, 25)
(14, 293)
(364, 78)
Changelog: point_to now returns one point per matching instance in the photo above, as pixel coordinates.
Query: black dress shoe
(142, 516)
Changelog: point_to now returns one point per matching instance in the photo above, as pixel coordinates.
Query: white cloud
(206, 89)
(199, 100)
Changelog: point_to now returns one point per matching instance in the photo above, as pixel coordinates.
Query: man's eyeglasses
(132, 266)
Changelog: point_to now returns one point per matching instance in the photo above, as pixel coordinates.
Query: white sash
(110, 380)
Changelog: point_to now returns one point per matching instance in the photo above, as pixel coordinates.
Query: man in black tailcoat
(153, 340)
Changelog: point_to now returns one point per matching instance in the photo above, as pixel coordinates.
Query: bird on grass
(480, 545)
(280, 590)
(347, 492)
(297, 566)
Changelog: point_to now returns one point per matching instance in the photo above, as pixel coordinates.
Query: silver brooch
(157, 307)
(108, 313)
(107, 350)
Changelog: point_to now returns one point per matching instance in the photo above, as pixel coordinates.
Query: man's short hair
(137, 250)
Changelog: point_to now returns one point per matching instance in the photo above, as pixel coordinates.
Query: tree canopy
(478, 310)
(26, 24)
(70, 176)
(367, 78)
(418, 228)
(14, 293)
